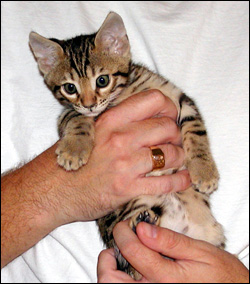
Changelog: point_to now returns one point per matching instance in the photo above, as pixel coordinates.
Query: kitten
(90, 73)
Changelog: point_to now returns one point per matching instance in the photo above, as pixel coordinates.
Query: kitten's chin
(92, 114)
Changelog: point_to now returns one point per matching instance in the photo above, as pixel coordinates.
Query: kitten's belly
(185, 212)
(175, 216)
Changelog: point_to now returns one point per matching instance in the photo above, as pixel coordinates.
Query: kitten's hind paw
(147, 216)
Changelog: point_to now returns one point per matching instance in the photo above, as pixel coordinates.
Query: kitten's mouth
(93, 111)
(100, 107)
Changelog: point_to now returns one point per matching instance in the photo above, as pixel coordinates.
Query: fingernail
(150, 230)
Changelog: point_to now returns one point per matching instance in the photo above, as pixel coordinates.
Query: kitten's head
(88, 71)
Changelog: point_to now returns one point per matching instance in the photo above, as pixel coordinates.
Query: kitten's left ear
(47, 52)
(112, 36)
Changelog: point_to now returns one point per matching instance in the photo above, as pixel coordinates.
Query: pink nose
(89, 106)
(88, 102)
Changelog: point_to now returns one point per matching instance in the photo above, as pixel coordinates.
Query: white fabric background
(201, 46)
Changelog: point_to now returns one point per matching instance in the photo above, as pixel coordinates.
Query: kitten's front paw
(71, 155)
(147, 216)
(204, 175)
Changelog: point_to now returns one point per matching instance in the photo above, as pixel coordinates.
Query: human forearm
(34, 202)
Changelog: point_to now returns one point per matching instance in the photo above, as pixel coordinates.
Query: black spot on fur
(200, 133)
(110, 220)
(121, 74)
(222, 245)
(206, 203)
(185, 119)
(184, 231)
(158, 210)
(83, 133)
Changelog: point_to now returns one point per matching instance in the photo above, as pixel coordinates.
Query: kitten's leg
(198, 158)
(77, 139)
(147, 209)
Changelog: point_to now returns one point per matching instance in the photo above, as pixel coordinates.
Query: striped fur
(77, 71)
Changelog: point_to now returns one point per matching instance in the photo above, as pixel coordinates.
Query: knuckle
(181, 155)
(175, 241)
(170, 127)
(120, 165)
(116, 140)
(172, 153)
(168, 186)
(157, 96)
(172, 241)
(118, 227)
(174, 156)
(101, 255)
(120, 181)
(119, 141)
(106, 118)
(131, 249)
(184, 180)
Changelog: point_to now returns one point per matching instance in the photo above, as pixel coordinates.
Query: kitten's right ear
(112, 36)
(46, 52)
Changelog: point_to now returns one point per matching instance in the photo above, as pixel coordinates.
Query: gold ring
(158, 158)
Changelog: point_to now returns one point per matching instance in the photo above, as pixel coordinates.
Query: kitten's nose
(89, 102)
(89, 106)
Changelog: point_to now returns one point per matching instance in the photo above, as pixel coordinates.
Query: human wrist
(64, 194)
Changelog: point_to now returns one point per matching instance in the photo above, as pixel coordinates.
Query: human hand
(195, 261)
(40, 196)
(121, 156)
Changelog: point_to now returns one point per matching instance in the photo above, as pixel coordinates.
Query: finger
(106, 261)
(164, 184)
(146, 261)
(107, 269)
(154, 131)
(139, 107)
(169, 243)
(143, 163)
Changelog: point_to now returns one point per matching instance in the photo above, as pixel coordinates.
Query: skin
(40, 196)
(195, 261)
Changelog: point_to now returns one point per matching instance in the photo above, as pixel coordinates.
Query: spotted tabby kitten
(90, 73)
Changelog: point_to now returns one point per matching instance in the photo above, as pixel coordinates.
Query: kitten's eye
(102, 81)
(70, 88)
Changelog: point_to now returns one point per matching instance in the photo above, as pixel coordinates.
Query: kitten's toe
(205, 186)
(204, 176)
(70, 160)
(205, 180)
(147, 216)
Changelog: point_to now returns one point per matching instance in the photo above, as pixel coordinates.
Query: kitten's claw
(69, 162)
(147, 216)
(206, 187)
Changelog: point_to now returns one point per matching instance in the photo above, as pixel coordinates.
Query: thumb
(169, 243)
